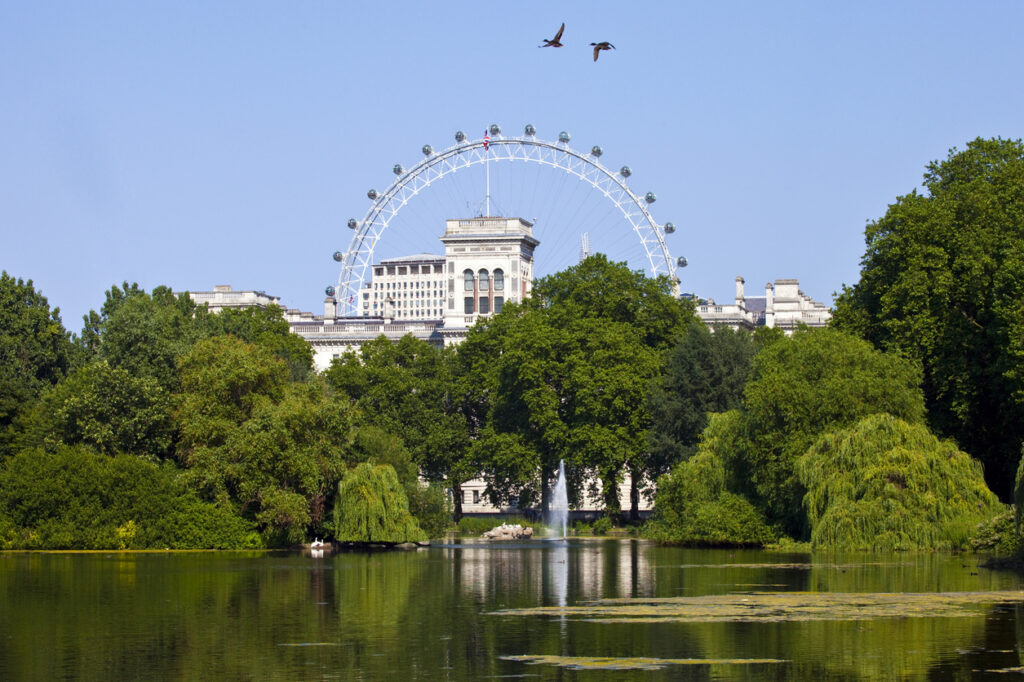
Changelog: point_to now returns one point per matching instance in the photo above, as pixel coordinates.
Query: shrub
(997, 535)
(430, 507)
(602, 526)
(75, 498)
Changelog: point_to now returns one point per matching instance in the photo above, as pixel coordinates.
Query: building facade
(223, 297)
(783, 306)
(487, 261)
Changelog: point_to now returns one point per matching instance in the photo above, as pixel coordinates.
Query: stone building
(223, 296)
(487, 262)
(783, 305)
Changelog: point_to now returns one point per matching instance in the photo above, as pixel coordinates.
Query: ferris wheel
(633, 210)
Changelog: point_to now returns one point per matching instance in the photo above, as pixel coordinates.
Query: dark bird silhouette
(603, 45)
(557, 40)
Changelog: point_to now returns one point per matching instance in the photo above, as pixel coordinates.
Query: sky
(191, 144)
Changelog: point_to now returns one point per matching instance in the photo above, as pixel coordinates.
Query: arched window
(499, 280)
(484, 280)
(469, 279)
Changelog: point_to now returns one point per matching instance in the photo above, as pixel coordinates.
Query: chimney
(739, 293)
(330, 308)
(769, 305)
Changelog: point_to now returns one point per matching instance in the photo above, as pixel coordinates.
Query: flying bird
(603, 45)
(557, 40)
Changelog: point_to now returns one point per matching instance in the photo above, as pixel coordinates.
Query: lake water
(582, 610)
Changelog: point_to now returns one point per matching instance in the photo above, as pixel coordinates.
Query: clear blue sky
(193, 144)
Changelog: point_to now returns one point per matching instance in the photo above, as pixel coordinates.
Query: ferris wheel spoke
(436, 166)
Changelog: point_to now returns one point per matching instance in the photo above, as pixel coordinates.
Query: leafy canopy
(884, 484)
(942, 282)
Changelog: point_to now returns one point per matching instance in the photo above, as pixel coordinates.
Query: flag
(351, 299)
(487, 140)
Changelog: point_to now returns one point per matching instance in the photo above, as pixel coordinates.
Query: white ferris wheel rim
(436, 165)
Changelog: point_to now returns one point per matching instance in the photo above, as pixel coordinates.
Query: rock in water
(508, 532)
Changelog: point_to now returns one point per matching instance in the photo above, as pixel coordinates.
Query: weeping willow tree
(372, 507)
(884, 484)
(693, 505)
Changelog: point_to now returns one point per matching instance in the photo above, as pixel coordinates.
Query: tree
(563, 377)
(815, 381)
(371, 507)
(942, 282)
(694, 506)
(409, 389)
(884, 484)
(106, 408)
(252, 439)
(704, 372)
(266, 327)
(145, 334)
(35, 350)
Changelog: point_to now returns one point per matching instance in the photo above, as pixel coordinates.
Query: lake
(588, 609)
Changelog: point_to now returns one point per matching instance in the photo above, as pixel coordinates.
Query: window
(476, 497)
(499, 280)
(468, 274)
(484, 280)
(469, 305)
(499, 301)
(485, 305)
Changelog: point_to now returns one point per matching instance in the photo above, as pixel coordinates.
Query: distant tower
(585, 247)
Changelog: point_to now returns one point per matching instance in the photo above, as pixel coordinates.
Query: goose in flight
(603, 45)
(557, 40)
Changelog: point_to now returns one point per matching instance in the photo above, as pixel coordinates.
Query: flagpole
(487, 163)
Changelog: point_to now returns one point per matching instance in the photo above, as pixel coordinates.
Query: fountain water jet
(558, 508)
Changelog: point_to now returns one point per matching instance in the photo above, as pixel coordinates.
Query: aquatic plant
(884, 484)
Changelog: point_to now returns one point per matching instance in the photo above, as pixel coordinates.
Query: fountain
(558, 508)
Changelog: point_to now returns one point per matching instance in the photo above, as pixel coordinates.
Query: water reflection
(438, 614)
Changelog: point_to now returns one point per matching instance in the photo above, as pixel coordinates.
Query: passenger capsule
(427, 150)
(460, 137)
(596, 151)
(372, 194)
(397, 169)
(530, 130)
(625, 171)
(650, 197)
(329, 291)
(495, 129)
(338, 255)
(353, 223)
(564, 137)
(669, 228)
(681, 261)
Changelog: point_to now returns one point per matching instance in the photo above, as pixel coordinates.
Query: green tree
(815, 381)
(251, 438)
(563, 377)
(106, 408)
(694, 506)
(704, 372)
(35, 350)
(266, 327)
(145, 334)
(884, 484)
(409, 389)
(371, 507)
(942, 282)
